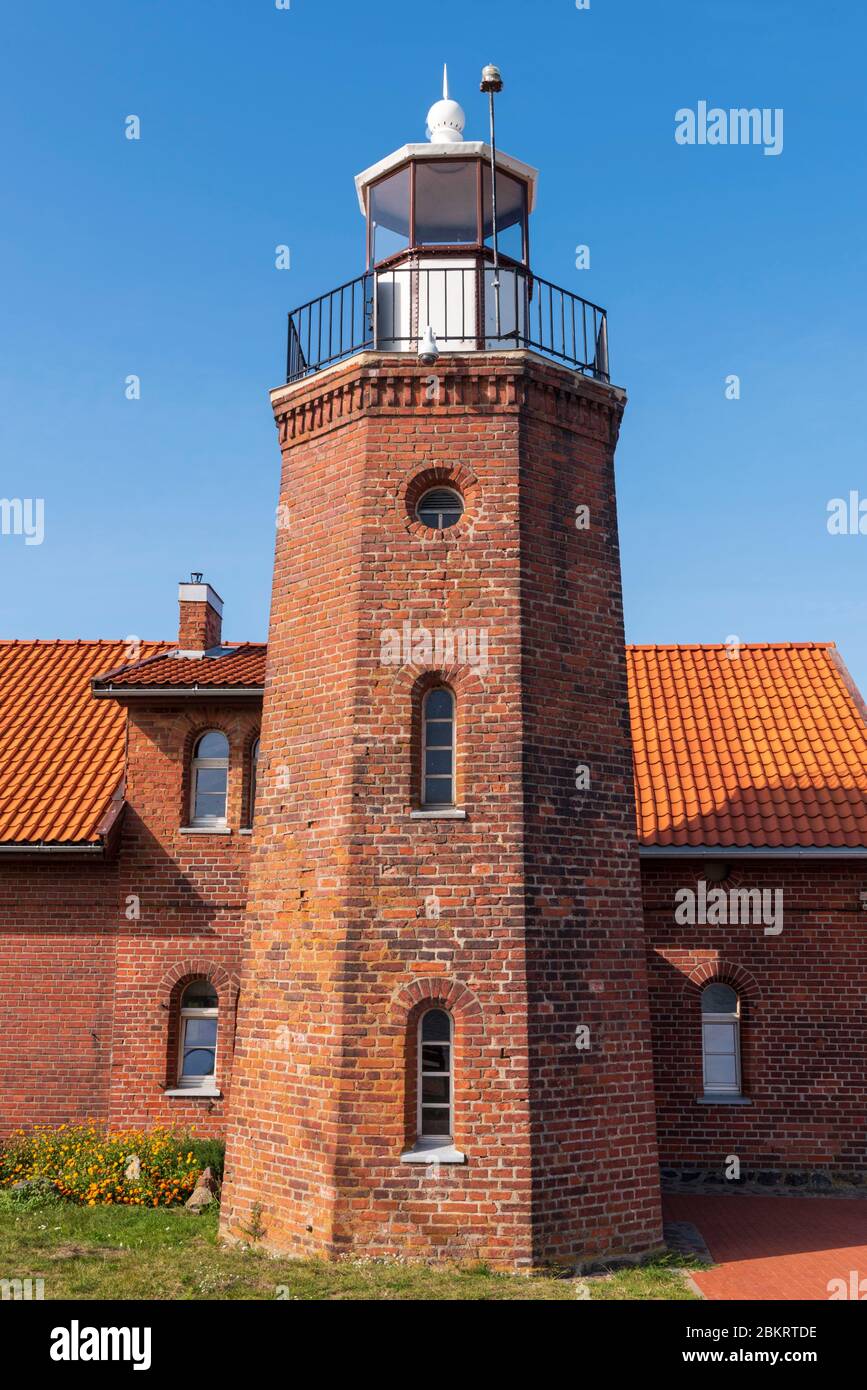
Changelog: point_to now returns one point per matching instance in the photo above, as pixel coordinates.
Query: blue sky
(156, 257)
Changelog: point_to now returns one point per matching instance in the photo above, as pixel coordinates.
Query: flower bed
(87, 1165)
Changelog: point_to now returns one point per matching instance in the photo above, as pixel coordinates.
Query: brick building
(456, 916)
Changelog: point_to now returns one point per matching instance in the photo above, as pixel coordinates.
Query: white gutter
(221, 692)
(75, 847)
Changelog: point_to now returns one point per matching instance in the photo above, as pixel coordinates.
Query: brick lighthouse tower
(443, 1036)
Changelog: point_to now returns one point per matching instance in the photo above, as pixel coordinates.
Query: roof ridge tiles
(726, 646)
(81, 642)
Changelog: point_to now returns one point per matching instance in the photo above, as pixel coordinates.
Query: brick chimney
(201, 616)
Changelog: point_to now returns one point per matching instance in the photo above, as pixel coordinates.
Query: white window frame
(196, 764)
(733, 1020)
(443, 1139)
(433, 805)
(196, 1083)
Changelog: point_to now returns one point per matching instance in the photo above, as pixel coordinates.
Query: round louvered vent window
(440, 508)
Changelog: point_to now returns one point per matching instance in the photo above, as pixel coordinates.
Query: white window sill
(721, 1098)
(433, 1151)
(206, 830)
(192, 1092)
(246, 830)
(440, 813)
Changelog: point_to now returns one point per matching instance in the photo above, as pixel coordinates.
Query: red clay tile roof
(61, 751)
(768, 750)
(241, 665)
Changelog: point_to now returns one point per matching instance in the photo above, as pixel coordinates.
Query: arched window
(198, 1050)
(254, 773)
(438, 748)
(209, 781)
(435, 1075)
(720, 1040)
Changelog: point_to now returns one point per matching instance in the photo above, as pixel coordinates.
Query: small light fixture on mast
(491, 83)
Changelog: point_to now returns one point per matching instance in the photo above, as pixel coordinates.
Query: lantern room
(449, 258)
(447, 261)
(438, 196)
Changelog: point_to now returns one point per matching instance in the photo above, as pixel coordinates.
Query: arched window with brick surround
(209, 780)
(443, 1029)
(439, 727)
(721, 1040)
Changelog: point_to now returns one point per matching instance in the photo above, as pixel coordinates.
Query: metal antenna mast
(492, 82)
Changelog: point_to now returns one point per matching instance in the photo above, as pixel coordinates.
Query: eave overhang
(751, 852)
(463, 150)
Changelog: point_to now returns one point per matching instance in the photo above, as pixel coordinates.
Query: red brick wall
(342, 956)
(803, 1030)
(56, 990)
(593, 1123)
(85, 1009)
(200, 626)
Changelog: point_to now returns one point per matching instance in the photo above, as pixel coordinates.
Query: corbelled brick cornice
(483, 384)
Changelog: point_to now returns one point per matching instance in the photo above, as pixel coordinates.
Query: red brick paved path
(776, 1247)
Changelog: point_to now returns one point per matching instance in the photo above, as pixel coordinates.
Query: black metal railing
(389, 310)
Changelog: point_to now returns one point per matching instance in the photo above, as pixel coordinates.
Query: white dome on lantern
(446, 119)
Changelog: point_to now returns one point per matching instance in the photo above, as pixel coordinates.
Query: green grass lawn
(133, 1253)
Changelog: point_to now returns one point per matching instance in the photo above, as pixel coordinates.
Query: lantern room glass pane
(511, 207)
(389, 214)
(446, 208)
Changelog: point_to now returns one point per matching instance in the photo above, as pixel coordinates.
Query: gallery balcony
(390, 309)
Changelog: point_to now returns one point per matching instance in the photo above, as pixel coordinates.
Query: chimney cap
(193, 590)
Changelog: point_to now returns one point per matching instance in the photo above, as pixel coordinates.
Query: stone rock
(199, 1199)
(796, 1179)
(207, 1180)
(820, 1181)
